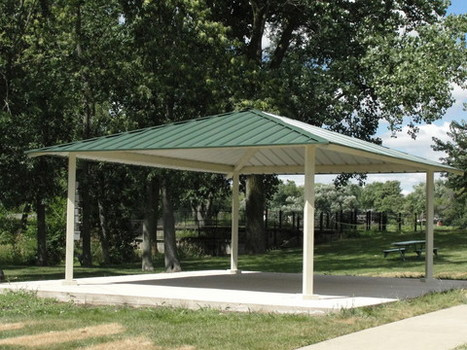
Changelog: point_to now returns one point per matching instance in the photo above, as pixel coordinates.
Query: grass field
(359, 256)
(26, 321)
(352, 256)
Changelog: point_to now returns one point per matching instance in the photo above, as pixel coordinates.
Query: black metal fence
(284, 228)
(339, 221)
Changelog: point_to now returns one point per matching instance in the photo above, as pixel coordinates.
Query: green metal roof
(245, 128)
(220, 142)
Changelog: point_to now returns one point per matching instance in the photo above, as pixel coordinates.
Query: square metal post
(235, 215)
(429, 234)
(309, 222)
(70, 219)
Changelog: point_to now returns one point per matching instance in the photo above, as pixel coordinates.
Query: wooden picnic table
(417, 246)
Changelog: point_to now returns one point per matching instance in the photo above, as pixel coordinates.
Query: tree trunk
(255, 232)
(260, 11)
(283, 44)
(172, 264)
(103, 232)
(24, 218)
(41, 232)
(149, 223)
(86, 212)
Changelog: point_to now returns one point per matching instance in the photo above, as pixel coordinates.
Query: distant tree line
(379, 197)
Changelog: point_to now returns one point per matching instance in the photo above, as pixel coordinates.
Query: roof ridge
(271, 117)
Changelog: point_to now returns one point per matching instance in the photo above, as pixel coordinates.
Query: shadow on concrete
(349, 286)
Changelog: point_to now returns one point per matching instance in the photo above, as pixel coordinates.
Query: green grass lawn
(350, 256)
(358, 256)
(172, 328)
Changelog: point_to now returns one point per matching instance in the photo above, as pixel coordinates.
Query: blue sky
(422, 145)
(458, 7)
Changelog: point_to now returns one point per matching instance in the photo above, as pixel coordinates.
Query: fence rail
(287, 226)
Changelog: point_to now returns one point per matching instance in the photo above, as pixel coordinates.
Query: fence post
(341, 227)
(321, 220)
(355, 219)
(298, 225)
(275, 228)
(280, 220)
(280, 228)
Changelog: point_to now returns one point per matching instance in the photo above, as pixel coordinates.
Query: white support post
(70, 219)
(235, 211)
(309, 222)
(430, 190)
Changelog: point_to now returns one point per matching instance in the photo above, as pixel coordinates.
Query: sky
(422, 145)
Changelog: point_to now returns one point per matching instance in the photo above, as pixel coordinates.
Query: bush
(56, 228)
(7, 254)
(9, 226)
(15, 247)
(190, 249)
(26, 248)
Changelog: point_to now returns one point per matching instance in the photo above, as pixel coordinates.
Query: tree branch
(260, 10)
(284, 43)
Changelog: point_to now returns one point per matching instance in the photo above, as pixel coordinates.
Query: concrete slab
(440, 330)
(248, 291)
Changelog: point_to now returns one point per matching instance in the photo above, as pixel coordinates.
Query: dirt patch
(348, 321)
(125, 344)
(11, 326)
(452, 276)
(56, 337)
(406, 274)
(133, 344)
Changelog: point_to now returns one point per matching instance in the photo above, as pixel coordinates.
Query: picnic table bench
(417, 246)
(401, 251)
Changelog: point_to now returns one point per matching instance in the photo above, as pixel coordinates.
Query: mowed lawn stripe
(125, 344)
(133, 344)
(11, 326)
(55, 337)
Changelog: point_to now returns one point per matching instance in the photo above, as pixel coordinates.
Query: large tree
(34, 93)
(456, 156)
(345, 65)
(177, 63)
(382, 196)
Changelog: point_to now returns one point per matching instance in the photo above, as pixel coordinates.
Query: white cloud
(459, 94)
(421, 146)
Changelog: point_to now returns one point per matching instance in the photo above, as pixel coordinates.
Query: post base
(427, 280)
(70, 283)
(235, 272)
(310, 297)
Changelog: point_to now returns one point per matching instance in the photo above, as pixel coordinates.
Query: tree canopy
(73, 69)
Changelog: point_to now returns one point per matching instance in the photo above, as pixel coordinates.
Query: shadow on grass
(351, 256)
(15, 273)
